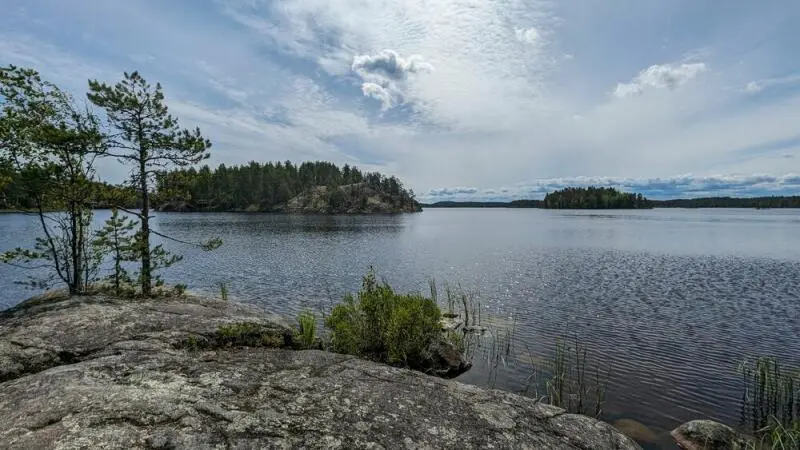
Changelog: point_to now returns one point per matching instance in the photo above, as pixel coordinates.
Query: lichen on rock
(97, 372)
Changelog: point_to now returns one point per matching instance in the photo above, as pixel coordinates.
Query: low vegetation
(569, 380)
(307, 327)
(382, 325)
(771, 404)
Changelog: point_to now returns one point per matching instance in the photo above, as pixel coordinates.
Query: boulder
(445, 360)
(97, 372)
(707, 435)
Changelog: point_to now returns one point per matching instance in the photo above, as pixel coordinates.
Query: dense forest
(594, 198)
(21, 190)
(314, 186)
(320, 186)
(730, 202)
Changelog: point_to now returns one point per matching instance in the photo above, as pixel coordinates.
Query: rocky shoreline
(100, 372)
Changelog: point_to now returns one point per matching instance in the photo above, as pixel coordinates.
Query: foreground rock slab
(105, 373)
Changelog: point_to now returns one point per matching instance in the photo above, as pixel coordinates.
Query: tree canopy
(269, 186)
(594, 198)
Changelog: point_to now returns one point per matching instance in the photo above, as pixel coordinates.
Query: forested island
(569, 198)
(311, 187)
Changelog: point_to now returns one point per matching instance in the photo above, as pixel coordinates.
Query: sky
(460, 99)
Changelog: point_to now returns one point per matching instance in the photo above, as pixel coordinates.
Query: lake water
(671, 299)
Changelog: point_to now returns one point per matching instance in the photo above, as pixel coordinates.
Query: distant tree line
(511, 204)
(269, 186)
(594, 198)
(730, 202)
(18, 193)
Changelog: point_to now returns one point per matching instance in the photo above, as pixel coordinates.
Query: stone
(451, 323)
(636, 430)
(97, 372)
(707, 435)
(445, 360)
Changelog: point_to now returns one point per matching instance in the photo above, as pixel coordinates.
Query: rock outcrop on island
(350, 199)
(97, 372)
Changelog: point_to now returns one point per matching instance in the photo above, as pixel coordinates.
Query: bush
(383, 325)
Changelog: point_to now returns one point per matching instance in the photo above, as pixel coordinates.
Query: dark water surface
(671, 299)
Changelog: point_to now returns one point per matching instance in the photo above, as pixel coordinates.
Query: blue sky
(462, 99)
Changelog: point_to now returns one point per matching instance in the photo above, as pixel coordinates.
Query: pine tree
(51, 144)
(149, 138)
(116, 239)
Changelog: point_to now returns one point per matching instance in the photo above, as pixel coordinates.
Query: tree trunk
(145, 235)
(74, 237)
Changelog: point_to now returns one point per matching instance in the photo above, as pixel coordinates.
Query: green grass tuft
(307, 323)
(383, 325)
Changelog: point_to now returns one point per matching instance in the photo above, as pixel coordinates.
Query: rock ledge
(96, 372)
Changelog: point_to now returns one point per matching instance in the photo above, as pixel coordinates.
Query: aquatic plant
(223, 291)
(776, 436)
(307, 323)
(771, 393)
(569, 381)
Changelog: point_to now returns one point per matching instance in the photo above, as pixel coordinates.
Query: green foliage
(268, 187)
(180, 289)
(776, 436)
(594, 198)
(772, 394)
(223, 291)
(307, 323)
(116, 239)
(146, 136)
(383, 325)
(250, 334)
(47, 149)
(569, 382)
(731, 202)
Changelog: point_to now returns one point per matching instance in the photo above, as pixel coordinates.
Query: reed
(771, 394)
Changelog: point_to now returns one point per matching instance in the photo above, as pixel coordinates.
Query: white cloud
(379, 93)
(660, 77)
(275, 80)
(385, 75)
(527, 35)
(388, 64)
(757, 86)
(680, 186)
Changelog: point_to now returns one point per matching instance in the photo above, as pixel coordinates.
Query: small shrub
(180, 289)
(223, 291)
(383, 325)
(307, 322)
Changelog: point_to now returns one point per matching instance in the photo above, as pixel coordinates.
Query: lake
(670, 299)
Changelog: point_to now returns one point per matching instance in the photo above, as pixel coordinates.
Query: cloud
(385, 73)
(388, 64)
(757, 86)
(380, 93)
(313, 79)
(527, 35)
(681, 186)
(660, 77)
